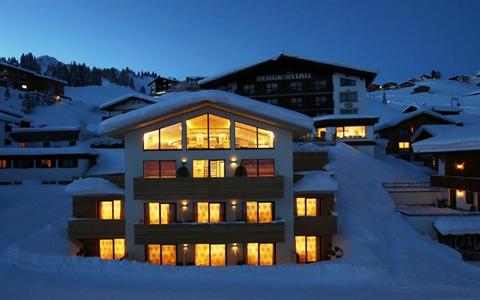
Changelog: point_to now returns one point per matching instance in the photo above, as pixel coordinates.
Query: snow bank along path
(385, 258)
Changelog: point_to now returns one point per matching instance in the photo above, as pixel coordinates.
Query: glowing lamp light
(185, 247)
(184, 160)
(184, 205)
(460, 166)
(235, 248)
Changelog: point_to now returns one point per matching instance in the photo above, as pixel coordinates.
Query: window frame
(161, 256)
(347, 82)
(318, 211)
(160, 137)
(61, 162)
(146, 210)
(317, 249)
(346, 97)
(5, 162)
(245, 251)
(208, 133)
(210, 253)
(257, 160)
(209, 169)
(160, 168)
(222, 213)
(256, 134)
(122, 210)
(272, 203)
(113, 248)
(39, 161)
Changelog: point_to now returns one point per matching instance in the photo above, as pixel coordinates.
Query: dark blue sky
(399, 39)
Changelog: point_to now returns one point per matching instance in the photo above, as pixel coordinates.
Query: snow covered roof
(177, 101)
(93, 186)
(449, 139)
(47, 129)
(33, 73)
(457, 225)
(8, 118)
(127, 97)
(366, 72)
(473, 93)
(47, 151)
(407, 116)
(315, 181)
(345, 119)
(10, 111)
(109, 161)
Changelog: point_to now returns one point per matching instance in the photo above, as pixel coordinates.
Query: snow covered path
(384, 258)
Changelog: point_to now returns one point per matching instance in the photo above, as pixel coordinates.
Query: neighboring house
(125, 104)
(354, 130)
(161, 85)
(389, 85)
(48, 165)
(209, 181)
(398, 131)
(308, 86)
(24, 79)
(421, 89)
(48, 136)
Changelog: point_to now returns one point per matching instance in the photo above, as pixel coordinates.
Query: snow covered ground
(384, 257)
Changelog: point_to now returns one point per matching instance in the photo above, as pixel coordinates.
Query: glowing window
(45, 163)
(110, 210)
(352, 132)
(162, 254)
(259, 167)
(160, 213)
(4, 164)
(403, 145)
(208, 168)
(306, 206)
(210, 212)
(259, 212)
(208, 132)
(260, 254)
(210, 254)
(171, 137)
(151, 140)
(251, 137)
(218, 132)
(322, 132)
(112, 248)
(306, 248)
(159, 169)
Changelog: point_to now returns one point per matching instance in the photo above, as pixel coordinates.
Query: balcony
(321, 225)
(457, 182)
(228, 232)
(252, 188)
(95, 228)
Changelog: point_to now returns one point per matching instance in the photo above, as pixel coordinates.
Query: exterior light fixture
(235, 248)
(460, 166)
(184, 159)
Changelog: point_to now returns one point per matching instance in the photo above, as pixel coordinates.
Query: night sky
(399, 39)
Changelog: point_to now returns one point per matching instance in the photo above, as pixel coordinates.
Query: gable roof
(7, 65)
(369, 75)
(407, 116)
(179, 102)
(447, 138)
(109, 104)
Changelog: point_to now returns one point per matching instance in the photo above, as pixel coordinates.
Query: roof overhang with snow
(457, 225)
(409, 116)
(172, 105)
(448, 138)
(111, 104)
(344, 120)
(213, 81)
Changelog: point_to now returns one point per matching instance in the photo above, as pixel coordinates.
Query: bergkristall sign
(291, 76)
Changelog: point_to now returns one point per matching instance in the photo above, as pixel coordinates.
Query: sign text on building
(290, 76)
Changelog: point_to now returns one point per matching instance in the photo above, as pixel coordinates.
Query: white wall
(360, 88)
(282, 153)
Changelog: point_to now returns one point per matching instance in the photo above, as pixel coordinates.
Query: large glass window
(259, 167)
(259, 212)
(151, 140)
(110, 210)
(403, 145)
(159, 169)
(208, 168)
(112, 248)
(208, 132)
(352, 132)
(210, 255)
(306, 248)
(251, 137)
(162, 254)
(4, 163)
(306, 206)
(210, 212)
(260, 254)
(160, 213)
(165, 138)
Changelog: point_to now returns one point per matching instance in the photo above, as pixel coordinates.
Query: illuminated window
(208, 168)
(251, 137)
(460, 166)
(171, 137)
(151, 140)
(306, 248)
(306, 206)
(403, 145)
(112, 248)
(352, 132)
(159, 169)
(162, 254)
(260, 254)
(160, 213)
(210, 255)
(4, 164)
(208, 132)
(322, 132)
(110, 210)
(208, 212)
(259, 212)
(46, 163)
(259, 167)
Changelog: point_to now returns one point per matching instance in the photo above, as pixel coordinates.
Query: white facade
(343, 107)
(281, 153)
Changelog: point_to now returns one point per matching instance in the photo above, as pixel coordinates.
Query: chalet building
(24, 79)
(421, 89)
(49, 165)
(161, 85)
(354, 130)
(125, 104)
(399, 131)
(457, 153)
(307, 86)
(209, 181)
(48, 136)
